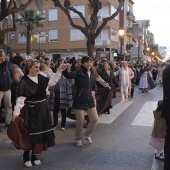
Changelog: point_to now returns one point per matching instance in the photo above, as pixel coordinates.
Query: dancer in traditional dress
(31, 126)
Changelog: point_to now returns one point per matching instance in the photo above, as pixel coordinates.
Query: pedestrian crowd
(31, 87)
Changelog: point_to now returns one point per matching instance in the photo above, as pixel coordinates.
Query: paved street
(120, 141)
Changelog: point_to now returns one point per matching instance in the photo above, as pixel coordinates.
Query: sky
(158, 12)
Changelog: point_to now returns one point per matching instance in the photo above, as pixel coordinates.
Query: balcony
(102, 42)
(129, 31)
(130, 16)
(128, 47)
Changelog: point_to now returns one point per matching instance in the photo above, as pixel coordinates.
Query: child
(157, 140)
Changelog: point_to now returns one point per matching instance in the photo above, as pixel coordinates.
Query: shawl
(65, 93)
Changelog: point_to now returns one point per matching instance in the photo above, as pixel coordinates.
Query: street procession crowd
(31, 87)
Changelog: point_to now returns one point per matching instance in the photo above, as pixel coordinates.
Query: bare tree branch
(15, 4)
(9, 4)
(82, 29)
(80, 14)
(15, 10)
(91, 3)
(106, 20)
(11, 29)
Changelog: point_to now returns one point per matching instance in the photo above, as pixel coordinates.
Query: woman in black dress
(31, 126)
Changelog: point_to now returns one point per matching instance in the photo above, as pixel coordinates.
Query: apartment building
(126, 21)
(60, 39)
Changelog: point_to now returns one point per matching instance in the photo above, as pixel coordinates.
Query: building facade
(59, 39)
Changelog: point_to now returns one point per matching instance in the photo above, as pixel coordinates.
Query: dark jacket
(5, 79)
(82, 98)
(166, 93)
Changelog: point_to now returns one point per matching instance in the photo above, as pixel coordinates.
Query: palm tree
(11, 7)
(30, 21)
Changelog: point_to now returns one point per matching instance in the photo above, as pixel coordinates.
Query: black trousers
(167, 147)
(132, 91)
(56, 111)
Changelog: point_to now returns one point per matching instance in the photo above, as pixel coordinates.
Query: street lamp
(152, 54)
(147, 49)
(121, 35)
(39, 38)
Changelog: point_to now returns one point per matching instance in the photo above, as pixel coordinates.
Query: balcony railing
(128, 46)
(129, 31)
(130, 15)
(100, 41)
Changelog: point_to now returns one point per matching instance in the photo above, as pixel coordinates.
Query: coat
(159, 127)
(82, 97)
(166, 93)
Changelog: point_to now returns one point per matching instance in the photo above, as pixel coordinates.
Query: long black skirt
(103, 99)
(32, 130)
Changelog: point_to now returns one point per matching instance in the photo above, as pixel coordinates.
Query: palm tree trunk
(28, 40)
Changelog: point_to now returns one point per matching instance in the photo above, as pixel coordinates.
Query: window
(12, 36)
(128, 9)
(53, 14)
(76, 35)
(41, 37)
(113, 10)
(22, 39)
(43, 14)
(53, 35)
(20, 17)
(80, 8)
(102, 38)
(103, 13)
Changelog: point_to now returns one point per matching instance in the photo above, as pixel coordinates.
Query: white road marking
(145, 115)
(114, 113)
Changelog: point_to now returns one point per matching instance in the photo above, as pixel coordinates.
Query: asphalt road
(120, 141)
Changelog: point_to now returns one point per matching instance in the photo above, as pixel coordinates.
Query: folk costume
(32, 129)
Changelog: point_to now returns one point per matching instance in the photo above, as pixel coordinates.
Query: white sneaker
(87, 139)
(63, 129)
(122, 101)
(78, 143)
(28, 164)
(126, 100)
(37, 162)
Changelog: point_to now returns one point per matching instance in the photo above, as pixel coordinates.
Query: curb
(3, 135)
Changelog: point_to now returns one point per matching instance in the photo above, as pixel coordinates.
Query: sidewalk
(3, 134)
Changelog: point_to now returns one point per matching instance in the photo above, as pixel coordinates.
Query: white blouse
(20, 100)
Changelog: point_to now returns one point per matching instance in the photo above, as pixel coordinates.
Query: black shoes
(160, 157)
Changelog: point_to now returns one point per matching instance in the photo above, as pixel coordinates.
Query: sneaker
(126, 100)
(160, 157)
(122, 101)
(28, 164)
(78, 143)
(26, 159)
(87, 139)
(35, 160)
(63, 129)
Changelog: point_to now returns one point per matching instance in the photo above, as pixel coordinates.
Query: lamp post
(139, 45)
(39, 38)
(152, 54)
(121, 35)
